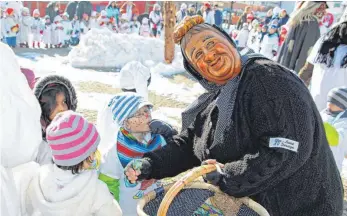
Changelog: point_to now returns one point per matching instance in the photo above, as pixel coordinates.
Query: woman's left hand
(215, 176)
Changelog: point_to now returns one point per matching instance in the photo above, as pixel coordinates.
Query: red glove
(154, 26)
(41, 31)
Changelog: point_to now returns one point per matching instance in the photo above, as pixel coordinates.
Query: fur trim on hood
(56, 79)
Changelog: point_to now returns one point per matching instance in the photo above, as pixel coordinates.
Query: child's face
(333, 108)
(48, 21)
(65, 18)
(139, 123)
(264, 30)
(272, 30)
(259, 29)
(36, 15)
(61, 105)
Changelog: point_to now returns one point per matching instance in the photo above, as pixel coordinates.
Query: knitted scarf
(129, 148)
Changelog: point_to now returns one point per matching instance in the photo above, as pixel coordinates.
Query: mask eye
(210, 45)
(198, 54)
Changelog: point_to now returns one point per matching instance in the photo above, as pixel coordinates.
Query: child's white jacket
(67, 29)
(25, 28)
(9, 22)
(57, 192)
(47, 34)
(269, 44)
(340, 124)
(58, 33)
(242, 37)
(252, 40)
(36, 27)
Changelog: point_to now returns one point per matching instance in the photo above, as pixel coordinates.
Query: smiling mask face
(213, 56)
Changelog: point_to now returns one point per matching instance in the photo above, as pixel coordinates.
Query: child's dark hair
(47, 102)
(75, 169)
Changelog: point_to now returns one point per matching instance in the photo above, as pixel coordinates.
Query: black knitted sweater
(271, 102)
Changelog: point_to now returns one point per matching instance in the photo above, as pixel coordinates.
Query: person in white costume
(103, 21)
(67, 29)
(25, 27)
(269, 45)
(326, 66)
(145, 29)
(135, 25)
(20, 133)
(135, 77)
(47, 32)
(242, 36)
(58, 32)
(155, 19)
(93, 20)
(37, 28)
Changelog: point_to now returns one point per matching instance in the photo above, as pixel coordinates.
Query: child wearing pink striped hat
(70, 186)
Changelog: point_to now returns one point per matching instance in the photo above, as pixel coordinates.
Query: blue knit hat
(338, 96)
(125, 105)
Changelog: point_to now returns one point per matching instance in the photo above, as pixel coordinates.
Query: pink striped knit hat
(71, 138)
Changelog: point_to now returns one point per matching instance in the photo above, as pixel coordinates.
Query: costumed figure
(93, 20)
(47, 32)
(135, 25)
(85, 24)
(253, 34)
(145, 30)
(11, 28)
(76, 31)
(103, 21)
(20, 112)
(242, 36)
(208, 14)
(269, 45)
(181, 13)
(124, 26)
(155, 19)
(326, 66)
(335, 123)
(55, 94)
(303, 33)
(66, 23)
(25, 27)
(258, 120)
(37, 28)
(70, 185)
(58, 32)
(127, 132)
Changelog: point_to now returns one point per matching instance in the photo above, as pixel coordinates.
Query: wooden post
(169, 25)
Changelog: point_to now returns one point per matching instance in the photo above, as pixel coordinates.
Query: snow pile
(101, 48)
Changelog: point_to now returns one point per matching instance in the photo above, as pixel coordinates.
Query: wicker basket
(170, 199)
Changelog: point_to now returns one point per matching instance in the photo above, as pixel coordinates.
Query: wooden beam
(169, 25)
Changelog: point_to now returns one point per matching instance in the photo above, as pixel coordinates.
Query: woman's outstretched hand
(137, 170)
(215, 176)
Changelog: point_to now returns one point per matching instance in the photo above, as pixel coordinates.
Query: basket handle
(181, 183)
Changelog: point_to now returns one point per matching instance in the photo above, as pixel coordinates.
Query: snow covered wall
(101, 48)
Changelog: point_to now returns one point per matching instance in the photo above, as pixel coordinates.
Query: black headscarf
(334, 38)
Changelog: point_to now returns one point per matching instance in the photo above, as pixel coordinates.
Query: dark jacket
(271, 102)
(218, 17)
(242, 20)
(283, 21)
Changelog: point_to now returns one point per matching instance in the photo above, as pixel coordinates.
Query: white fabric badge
(284, 143)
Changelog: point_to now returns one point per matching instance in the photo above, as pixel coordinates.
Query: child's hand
(215, 176)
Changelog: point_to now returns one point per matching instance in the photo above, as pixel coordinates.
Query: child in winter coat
(67, 29)
(261, 36)
(36, 28)
(58, 32)
(242, 36)
(76, 32)
(135, 25)
(124, 125)
(269, 45)
(252, 38)
(11, 28)
(156, 18)
(103, 21)
(84, 24)
(335, 123)
(124, 27)
(47, 32)
(25, 27)
(70, 185)
(55, 94)
(93, 20)
(144, 29)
